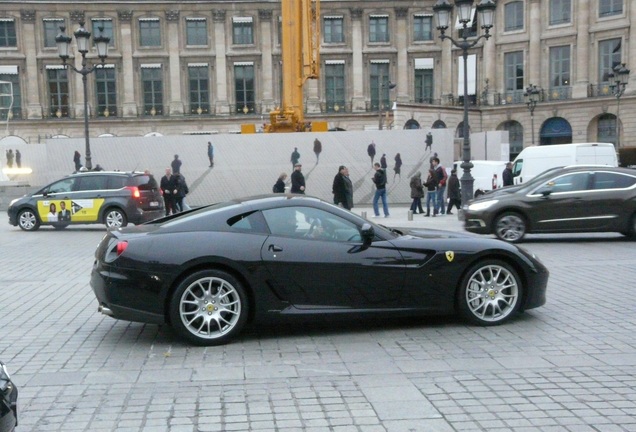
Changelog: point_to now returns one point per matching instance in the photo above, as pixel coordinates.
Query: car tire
(209, 307)
(631, 229)
(59, 226)
(115, 218)
(490, 293)
(28, 220)
(510, 227)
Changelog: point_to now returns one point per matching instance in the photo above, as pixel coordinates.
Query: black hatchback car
(110, 197)
(8, 401)
(570, 199)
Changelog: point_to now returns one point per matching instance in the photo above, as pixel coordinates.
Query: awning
(334, 62)
(149, 19)
(196, 19)
(380, 61)
(197, 64)
(101, 19)
(55, 67)
(243, 63)
(8, 70)
(333, 17)
(471, 62)
(242, 19)
(7, 19)
(151, 66)
(53, 19)
(378, 16)
(424, 63)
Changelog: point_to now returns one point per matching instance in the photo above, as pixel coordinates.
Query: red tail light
(121, 247)
(134, 190)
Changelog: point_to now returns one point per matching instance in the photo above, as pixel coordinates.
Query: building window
(607, 128)
(196, 31)
(9, 74)
(244, 87)
(335, 86)
(610, 7)
(242, 31)
(199, 85)
(609, 56)
(422, 28)
(560, 11)
(106, 91)
(379, 81)
(378, 28)
(424, 84)
(107, 25)
(560, 66)
(515, 136)
(152, 84)
(333, 29)
(7, 33)
(513, 13)
(58, 92)
(149, 32)
(51, 30)
(513, 70)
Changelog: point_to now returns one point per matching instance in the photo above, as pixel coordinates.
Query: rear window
(144, 182)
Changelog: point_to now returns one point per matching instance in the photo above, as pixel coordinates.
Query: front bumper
(476, 223)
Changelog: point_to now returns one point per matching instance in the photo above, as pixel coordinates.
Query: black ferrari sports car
(209, 271)
(8, 401)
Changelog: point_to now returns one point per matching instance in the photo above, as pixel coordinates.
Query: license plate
(154, 204)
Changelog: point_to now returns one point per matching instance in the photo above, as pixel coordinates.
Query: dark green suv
(112, 198)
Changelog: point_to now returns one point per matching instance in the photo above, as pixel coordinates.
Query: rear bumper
(139, 216)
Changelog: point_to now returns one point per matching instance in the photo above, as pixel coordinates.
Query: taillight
(121, 247)
(134, 190)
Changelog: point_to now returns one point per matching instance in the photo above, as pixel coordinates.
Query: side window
(89, 183)
(608, 180)
(248, 222)
(116, 182)
(568, 183)
(516, 169)
(66, 185)
(310, 223)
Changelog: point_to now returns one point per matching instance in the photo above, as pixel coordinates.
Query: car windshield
(545, 175)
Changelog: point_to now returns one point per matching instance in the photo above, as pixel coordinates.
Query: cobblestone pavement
(568, 366)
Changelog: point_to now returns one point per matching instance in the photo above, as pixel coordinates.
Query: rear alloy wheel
(209, 308)
(510, 227)
(490, 293)
(28, 220)
(115, 218)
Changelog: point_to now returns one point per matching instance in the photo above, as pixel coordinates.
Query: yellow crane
(300, 44)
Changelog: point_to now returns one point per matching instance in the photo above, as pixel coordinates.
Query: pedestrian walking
(442, 177)
(506, 176)
(431, 196)
(398, 166)
(379, 178)
(317, 149)
(383, 163)
(77, 160)
(167, 185)
(211, 153)
(181, 190)
(454, 195)
(18, 158)
(9, 154)
(371, 151)
(429, 141)
(297, 180)
(417, 193)
(342, 188)
(279, 186)
(295, 157)
(176, 165)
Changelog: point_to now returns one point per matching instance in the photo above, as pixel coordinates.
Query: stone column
(401, 32)
(32, 99)
(581, 74)
(446, 72)
(176, 107)
(78, 99)
(534, 50)
(220, 64)
(357, 66)
(267, 75)
(128, 77)
(489, 68)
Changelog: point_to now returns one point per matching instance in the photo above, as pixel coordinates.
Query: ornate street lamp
(531, 97)
(443, 12)
(618, 81)
(82, 37)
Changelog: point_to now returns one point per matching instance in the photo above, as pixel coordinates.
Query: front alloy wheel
(510, 227)
(28, 220)
(209, 308)
(490, 293)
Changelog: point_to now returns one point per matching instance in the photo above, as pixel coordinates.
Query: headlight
(482, 205)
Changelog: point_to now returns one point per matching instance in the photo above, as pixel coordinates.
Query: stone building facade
(199, 67)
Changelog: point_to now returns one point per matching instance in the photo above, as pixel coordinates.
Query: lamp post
(618, 82)
(531, 97)
(82, 37)
(390, 86)
(443, 11)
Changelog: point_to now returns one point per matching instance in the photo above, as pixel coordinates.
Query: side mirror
(368, 233)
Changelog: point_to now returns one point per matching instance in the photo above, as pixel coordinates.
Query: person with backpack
(380, 183)
(442, 178)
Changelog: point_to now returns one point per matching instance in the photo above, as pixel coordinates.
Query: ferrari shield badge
(450, 255)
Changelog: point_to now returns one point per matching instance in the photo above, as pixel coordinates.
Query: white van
(487, 174)
(536, 159)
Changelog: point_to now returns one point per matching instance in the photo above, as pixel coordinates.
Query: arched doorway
(411, 124)
(555, 130)
(515, 136)
(606, 129)
(439, 125)
(459, 132)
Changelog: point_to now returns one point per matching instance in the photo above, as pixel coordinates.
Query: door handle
(274, 248)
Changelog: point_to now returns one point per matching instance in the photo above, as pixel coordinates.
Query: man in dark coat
(343, 188)
(295, 157)
(383, 163)
(168, 187)
(176, 165)
(454, 195)
(317, 149)
(181, 188)
(371, 151)
(297, 180)
(508, 180)
(18, 158)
